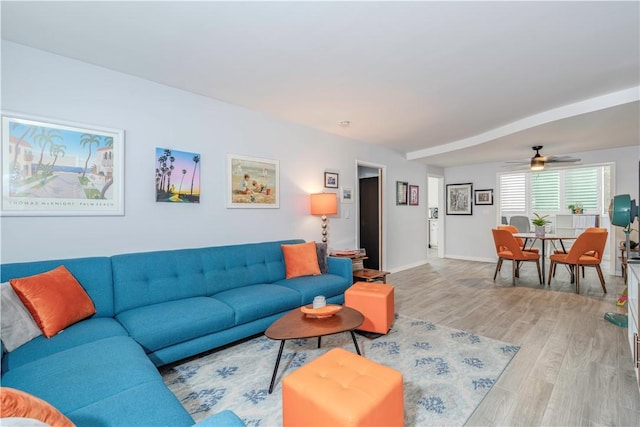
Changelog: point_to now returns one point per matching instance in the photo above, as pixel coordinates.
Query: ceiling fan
(539, 161)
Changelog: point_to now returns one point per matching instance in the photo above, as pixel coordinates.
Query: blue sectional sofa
(152, 309)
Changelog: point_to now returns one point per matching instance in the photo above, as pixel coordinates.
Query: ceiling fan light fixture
(537, 164)
(537, 161)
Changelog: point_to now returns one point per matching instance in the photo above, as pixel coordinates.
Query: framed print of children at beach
(252, 182)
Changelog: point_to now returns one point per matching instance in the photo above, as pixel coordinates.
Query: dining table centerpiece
(539, 222)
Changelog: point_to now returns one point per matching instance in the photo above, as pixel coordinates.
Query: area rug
(446, 373)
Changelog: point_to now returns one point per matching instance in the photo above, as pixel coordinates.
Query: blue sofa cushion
(230, 267)
(85, 374)
(341, 267)
(84, 332)
(94, 274)
(148, 404)
(147, 278)
(162, 325)
(328, 285)
(258, 301)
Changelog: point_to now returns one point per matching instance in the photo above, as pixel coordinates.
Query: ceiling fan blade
(545, 160)
(514, 166)
(563, 159)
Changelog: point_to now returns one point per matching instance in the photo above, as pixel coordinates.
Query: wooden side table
(370, 275)
(357, 259)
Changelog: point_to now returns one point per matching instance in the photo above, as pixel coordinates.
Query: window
(512, 194)
(551, 191)
(580, 187)
(545, 191)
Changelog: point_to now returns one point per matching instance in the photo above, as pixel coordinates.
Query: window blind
(581, 187)
(513, 193)
(545, 191)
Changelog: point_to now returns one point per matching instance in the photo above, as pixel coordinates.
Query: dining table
(544, 238)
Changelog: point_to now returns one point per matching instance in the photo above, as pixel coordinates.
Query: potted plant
(572, 208)
(539, 222)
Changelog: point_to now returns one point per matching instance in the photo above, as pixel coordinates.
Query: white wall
(469, 237)
(433, 192)
(153, 115)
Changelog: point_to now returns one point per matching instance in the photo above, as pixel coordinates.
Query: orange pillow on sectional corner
(300, 260)
(17, 403)
(55, 299)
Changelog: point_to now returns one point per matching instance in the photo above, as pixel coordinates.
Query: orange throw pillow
(300, 260)
(55, 299)
(16, 403)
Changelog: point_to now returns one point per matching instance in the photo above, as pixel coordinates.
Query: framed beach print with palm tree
(57, 168)
(252, 182)
(177, 176)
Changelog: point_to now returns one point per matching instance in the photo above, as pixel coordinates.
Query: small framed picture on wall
(346, 194)
(330, 180)
(402, 191)
(483, 197)
(414, 195)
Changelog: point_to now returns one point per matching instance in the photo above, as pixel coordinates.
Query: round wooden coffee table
(296, 325)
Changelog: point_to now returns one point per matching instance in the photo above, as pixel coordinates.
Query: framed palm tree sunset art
(56, 168)
(177, 176)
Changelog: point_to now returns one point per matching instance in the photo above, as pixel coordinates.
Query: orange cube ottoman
(375, 301)
(341, 388)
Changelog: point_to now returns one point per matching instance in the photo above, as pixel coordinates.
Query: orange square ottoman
(341, 388)
(375, 301)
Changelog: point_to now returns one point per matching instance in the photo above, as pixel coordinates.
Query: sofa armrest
(221, 419)
(341, 267)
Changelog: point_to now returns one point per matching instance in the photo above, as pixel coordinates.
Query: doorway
(370, 223)
(435, 215)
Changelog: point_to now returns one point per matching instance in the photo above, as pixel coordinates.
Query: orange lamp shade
(324, 204)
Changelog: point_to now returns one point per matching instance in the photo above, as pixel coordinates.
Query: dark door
(369, 221)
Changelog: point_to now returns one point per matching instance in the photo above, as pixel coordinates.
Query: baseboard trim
(466, 258)
(426, 261)
(408, 266)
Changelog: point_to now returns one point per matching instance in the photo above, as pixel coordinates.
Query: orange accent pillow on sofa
(55, 299)
(300, 260)
(17, 403)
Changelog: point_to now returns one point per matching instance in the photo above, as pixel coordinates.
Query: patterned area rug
(446, 373)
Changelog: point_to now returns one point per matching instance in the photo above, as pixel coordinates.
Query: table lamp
(324, 204)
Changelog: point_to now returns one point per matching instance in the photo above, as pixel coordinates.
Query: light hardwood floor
(573, 367)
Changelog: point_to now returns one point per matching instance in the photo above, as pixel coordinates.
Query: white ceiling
(424, 78)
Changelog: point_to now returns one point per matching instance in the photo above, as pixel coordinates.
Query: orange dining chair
(513, 230)
(508, 248)
(590, 253)
(586, 230)
(586, 251)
